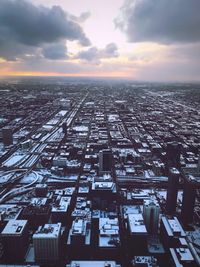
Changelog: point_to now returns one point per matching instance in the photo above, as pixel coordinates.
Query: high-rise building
(46, 242)
(151, 212)
(191, 183)
(172, 191)
(7, 136)
(105, 161)
(15, 239)
(173, 153)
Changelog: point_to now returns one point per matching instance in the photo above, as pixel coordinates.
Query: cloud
(55, 51)
(24, 27)
(94, 54)
(82, 18)
(160, 21)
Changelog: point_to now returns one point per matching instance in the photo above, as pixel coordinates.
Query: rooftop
(14, 227)
(136, 224)
(48, 231)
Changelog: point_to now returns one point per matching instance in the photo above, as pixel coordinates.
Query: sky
(152, 40)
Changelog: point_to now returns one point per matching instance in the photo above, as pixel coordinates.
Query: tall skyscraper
(151, 211)
(7, 136)
(172, 191)
(173, 153)
(105, 161)
(191, 183)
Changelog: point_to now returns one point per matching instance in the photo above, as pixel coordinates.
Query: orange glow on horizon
(54, 74)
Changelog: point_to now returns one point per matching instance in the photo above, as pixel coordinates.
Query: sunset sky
(155, 40)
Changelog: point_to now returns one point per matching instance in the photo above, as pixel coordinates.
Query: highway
(28, 162)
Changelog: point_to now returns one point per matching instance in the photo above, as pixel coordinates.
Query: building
(79, 237)
(15, 239)
(144, 261)
(64, 128)
(151, 212)
(173, 153)
(93, 263)
(7, 136)
(46, 242)
(41, 190)
(103, 192)
(182, 257)
(79, 231)
(171, 230)
(109, 238)
(60, 210)
(36, 215)
(105, 161)
(137, 233)
(172, 191)
(191, 183)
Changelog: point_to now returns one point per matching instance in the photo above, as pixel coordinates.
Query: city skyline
(139, 40)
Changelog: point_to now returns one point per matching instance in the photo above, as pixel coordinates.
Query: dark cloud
(55, 51)
(161, 21)
(24, 26)
(94, 54)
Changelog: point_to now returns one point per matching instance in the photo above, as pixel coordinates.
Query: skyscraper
(151, 211)
(189, 196)
(105, 161)
(172, 191)
(173, 152)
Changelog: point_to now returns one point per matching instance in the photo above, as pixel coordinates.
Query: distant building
(7, 136)
(41, 190)
(64, 127)
(151, 212)
(26, 145)
(46, 242)
(105, 161)
(15, 239)
(173, 153)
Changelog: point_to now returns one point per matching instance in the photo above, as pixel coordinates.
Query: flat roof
(48, 231)
(14, 227)
(148, 261)
(136, 224)
(181, 256)
(173, 227)
(62, 206)
(93, 263)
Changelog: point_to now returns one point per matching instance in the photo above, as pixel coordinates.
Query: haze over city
(139, 39)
